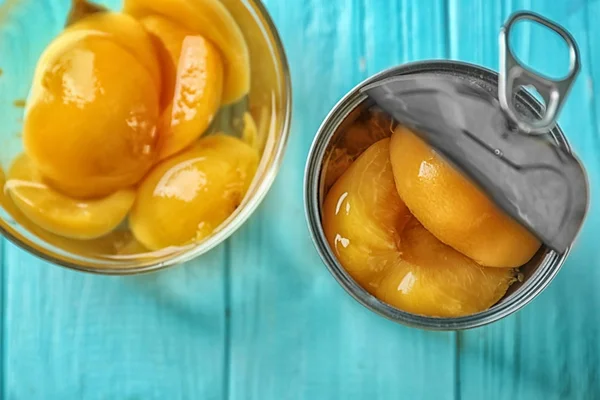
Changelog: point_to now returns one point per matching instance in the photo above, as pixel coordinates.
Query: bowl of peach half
(139, 134)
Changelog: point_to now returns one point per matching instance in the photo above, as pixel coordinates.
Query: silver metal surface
(514, 75)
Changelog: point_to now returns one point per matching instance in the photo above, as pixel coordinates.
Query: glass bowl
(28, 26)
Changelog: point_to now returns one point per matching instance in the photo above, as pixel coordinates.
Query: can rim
(548, 268)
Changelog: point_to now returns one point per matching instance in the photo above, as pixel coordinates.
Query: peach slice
(124, 30)
(453, 209)
(186, 197)
(433, 279)
(90, 122)
(363, 217)
(213, 21)
(62, 215)
(193, 74)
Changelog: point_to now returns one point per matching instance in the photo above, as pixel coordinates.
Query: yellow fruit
(194, 84)
(453, 209)
(62, 215)
(90, 122)
(213, 21)
(112, 243)
(433, 279)
(124, 30)
(186, 197)
(168, 57)
(392, 256)
(266, 82)
(363, 217)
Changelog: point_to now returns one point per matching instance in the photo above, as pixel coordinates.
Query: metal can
(535, 276)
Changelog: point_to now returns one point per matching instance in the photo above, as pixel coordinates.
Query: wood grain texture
(70, 335)
(260, 317)
(295, 334)
(550, 349)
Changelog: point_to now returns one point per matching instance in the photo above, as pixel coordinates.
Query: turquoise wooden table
(260, 317)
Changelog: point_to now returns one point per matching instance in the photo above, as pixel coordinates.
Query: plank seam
(591, 372)
(448, 55)
(447, 43)
(227, 320)
(3, 298)
(362, 35)
(590, 65)
(457, 345)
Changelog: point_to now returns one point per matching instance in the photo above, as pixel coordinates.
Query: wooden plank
(3, 320)
(591, 9)
(78, 336)
(550, 349)
(17, 58)
(295, 334)
(69, 335)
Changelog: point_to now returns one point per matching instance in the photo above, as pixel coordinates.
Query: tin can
(535, 276)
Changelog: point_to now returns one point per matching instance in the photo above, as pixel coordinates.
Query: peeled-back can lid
(509, 156)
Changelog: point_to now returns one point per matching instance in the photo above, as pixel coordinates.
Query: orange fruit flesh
(385, 249)
(186, 197)
(112, 243)
(128, 33)
(193, 74)
(363, 216)
(167, 39)
(454, 209)
(62, 215)
(90, 124)
(433, 279)
(211, 20)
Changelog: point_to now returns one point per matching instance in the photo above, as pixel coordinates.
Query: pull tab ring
(514, 75)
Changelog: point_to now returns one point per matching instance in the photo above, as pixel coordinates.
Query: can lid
(507, 154)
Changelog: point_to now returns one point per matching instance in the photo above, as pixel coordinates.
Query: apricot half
(186, 197)
(213, 21)
(453, 209)
(363, 216)
(433, 279)
(194, 83)
(90, 122)
(62, 215)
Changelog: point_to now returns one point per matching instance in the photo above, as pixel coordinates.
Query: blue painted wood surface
(259, 317)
